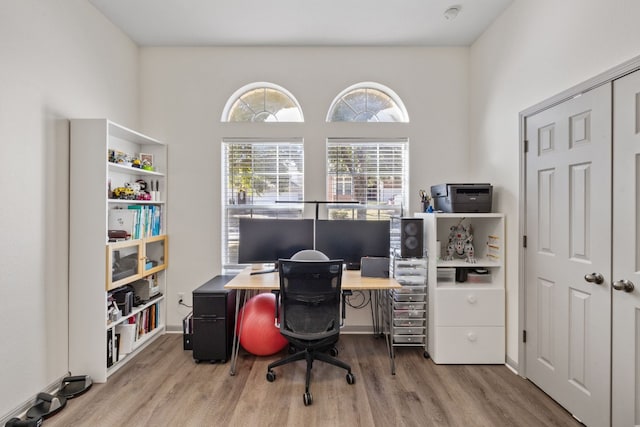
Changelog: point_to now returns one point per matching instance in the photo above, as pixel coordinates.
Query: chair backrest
(310, 297)
(309, 255)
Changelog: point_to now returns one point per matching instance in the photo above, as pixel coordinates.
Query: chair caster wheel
(351, 379)
(333, 352)
(271, 376)
(308, 400)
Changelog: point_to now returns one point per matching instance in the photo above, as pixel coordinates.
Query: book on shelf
(116, 347)
(109, 347)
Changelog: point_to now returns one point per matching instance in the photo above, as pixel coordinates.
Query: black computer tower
(213, 320)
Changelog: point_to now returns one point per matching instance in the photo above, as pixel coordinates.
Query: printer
(456, 198)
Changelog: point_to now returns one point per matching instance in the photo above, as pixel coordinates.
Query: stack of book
(138, 221)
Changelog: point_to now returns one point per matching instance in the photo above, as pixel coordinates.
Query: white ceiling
(300, 22)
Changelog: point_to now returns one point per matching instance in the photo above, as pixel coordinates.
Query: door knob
(623, 285)
(594, 278)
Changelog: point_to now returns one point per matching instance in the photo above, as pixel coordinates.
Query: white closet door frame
(604, 78)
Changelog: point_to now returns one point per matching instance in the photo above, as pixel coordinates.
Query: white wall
(536, 49)
(183, 92)
(63, 59)
(60, 60)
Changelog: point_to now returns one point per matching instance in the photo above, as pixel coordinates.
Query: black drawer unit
(213, 320)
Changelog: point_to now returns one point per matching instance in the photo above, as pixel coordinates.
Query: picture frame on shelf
(146, 161)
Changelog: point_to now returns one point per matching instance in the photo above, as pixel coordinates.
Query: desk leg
(236, 338)
(387, 304)
(375, 312)
(382, 317)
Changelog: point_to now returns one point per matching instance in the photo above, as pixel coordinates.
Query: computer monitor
(267, 240)
(351, 240)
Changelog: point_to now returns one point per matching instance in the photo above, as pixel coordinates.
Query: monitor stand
(352, 266)
(263, 268)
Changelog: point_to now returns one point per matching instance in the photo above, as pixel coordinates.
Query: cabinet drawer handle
(472, 299)
(471, 336)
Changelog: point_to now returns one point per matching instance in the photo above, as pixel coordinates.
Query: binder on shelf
(122, 219)
(127, 337)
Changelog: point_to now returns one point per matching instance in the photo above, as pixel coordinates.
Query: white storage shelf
(91, 174)
(137, 341)
(466, 320)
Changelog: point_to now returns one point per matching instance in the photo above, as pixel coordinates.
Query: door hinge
(526, 145)
(524, 335)
(524, 241)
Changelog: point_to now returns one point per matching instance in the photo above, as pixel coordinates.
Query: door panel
(568, 228)
(626, 254)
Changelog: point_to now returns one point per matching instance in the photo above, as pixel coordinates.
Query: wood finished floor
(164, 387)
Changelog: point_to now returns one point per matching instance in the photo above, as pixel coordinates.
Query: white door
(626, 253)
(568, 254)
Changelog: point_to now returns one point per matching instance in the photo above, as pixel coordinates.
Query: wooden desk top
(351, 280)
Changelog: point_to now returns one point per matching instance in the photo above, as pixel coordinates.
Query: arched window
(367, 102)
(262, 102)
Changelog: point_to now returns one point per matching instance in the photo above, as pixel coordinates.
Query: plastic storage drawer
(408, 339)
(408, 313)
(411, 279)
(409, 305)
(408, 322)
(419, 330)
(409, 297)
(407, 289)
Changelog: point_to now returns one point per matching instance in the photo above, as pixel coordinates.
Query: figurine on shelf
(146, 165)
(125, 193)
(141, 189)
(461, 243)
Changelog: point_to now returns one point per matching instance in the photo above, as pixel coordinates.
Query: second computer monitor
(351, 240)
(267, 240)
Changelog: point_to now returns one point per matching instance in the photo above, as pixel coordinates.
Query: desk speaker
(411, 238)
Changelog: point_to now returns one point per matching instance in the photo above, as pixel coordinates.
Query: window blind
(373, 173)
(256, 174)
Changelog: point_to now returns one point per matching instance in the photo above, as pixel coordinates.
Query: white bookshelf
(90, 253)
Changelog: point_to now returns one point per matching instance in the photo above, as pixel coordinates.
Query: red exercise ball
(259, 334)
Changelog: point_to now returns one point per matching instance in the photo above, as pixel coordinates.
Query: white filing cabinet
(466, 320)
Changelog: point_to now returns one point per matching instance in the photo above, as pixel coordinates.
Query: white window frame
(237, 95)
(364, 208)
(375, 86)
(257, 206)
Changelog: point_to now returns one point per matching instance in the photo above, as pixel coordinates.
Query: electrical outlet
(180, 297)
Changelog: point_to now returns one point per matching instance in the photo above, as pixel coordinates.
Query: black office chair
(311, 312)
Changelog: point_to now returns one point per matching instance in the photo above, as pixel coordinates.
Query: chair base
(310, 355)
